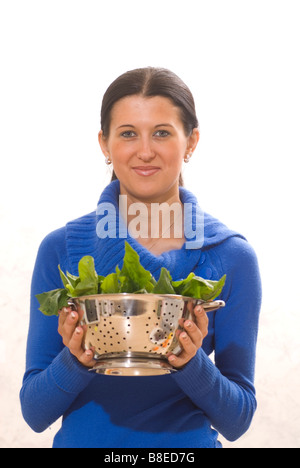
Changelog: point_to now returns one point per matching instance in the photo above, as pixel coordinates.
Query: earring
(188, 157)
(107, 160)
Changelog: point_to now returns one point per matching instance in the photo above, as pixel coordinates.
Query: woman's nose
(145, 151)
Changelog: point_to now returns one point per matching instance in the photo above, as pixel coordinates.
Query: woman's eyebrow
(126, 125)
(156, 126)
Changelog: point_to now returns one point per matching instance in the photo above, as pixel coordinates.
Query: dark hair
(150, 82)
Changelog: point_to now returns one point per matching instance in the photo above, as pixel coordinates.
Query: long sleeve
(53, 377)
(224, 390)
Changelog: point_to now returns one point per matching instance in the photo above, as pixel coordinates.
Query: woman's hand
(72, 335)
(191, 338)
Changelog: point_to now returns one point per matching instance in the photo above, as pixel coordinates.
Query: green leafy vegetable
(110, 284)
(164, 284)
(51, 302)
(194, 286)
(132, 278)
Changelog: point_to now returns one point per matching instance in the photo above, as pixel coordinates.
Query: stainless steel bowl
(132, 334)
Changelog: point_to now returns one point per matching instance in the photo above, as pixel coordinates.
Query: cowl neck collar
(82, 238)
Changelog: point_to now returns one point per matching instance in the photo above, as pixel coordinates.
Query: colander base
(133, 367)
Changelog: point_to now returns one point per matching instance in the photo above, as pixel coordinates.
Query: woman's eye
(128, 134)
(162, 134)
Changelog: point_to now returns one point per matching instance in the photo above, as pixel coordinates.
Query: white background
(241, 60)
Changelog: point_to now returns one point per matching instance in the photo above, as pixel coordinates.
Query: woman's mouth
(146, 171)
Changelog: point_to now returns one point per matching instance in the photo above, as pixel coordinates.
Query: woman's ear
(103, 143)
(194, 139)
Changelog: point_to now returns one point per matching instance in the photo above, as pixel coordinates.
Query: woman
(148, 129)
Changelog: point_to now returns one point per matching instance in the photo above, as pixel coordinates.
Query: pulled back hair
(150, 82)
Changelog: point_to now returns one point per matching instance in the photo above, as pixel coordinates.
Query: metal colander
(131, 334)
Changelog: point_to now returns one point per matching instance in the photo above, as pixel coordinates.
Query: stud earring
(188, 157)
(107, 160)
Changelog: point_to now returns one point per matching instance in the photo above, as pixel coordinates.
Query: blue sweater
(186, 409)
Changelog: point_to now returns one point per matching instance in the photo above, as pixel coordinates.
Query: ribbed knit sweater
(213, 393)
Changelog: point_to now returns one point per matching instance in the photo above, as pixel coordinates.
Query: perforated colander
(131, 334)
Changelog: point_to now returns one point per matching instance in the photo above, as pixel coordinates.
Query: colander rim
(136, 296)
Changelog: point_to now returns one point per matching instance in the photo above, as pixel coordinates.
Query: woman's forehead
(139, 108)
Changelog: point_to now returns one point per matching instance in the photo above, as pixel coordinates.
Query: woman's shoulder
(54, 240)
(238, 251)
(237, 259)
(234, 252)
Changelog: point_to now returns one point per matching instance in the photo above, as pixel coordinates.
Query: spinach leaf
(196, 287)
(133, 276)
(164, 284)
(88, 279)
(51, 302)
(181, 285)
(69, 281)
(110, 284)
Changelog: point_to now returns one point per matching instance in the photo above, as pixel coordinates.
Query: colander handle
(211, 306)
(72, 305)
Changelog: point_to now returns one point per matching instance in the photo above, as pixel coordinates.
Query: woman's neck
(159, 227)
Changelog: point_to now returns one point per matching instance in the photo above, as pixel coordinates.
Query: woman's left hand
(191, 338)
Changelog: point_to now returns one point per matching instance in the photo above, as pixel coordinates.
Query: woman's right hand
(72, 334)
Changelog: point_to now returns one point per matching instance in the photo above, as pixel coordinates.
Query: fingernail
(88, 353)
(73, 315)
(188, 324)
(78, 331)
(172, 358)
(183, 335)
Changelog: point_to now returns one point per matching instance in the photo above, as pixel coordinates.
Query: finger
(76, 348)
(194, 333)
(67, 329)
(189, 350)
(202, 320)
(75, 342)
(63, 314)
(87, 358)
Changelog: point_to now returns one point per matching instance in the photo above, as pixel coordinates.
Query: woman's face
(147, 144)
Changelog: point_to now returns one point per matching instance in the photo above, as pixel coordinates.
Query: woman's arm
(225, 390)
(53, 377)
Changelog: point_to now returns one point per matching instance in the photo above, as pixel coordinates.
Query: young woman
(149, 129)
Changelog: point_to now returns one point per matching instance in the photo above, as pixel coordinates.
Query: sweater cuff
(69, 375)
(198, 377)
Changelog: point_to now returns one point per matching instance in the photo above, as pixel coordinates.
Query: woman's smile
(146, 171)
